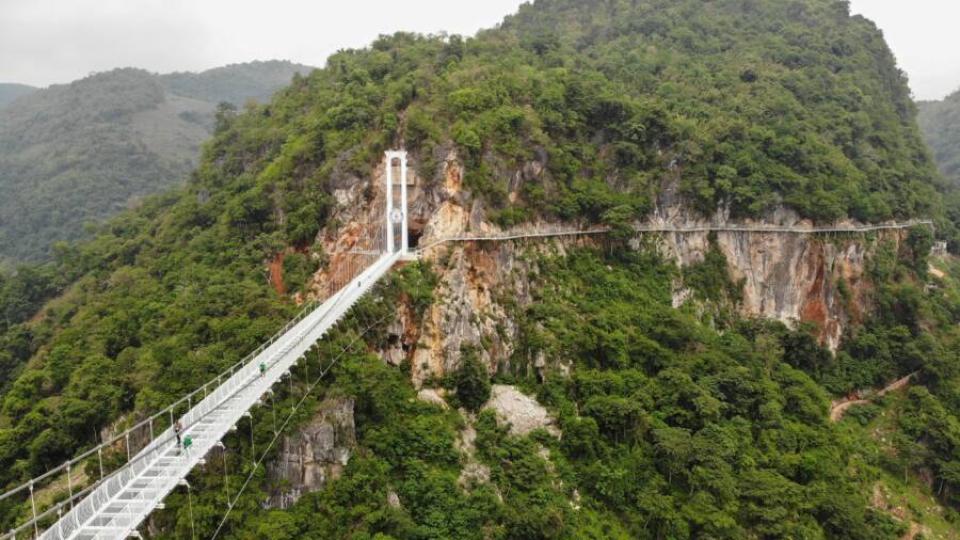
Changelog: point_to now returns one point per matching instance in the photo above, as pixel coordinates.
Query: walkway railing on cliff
(560, 230)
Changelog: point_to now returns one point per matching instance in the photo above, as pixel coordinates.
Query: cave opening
(413, 237)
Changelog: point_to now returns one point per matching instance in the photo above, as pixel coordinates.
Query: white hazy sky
(54, 41)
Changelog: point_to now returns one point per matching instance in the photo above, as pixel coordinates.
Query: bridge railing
(134, 457)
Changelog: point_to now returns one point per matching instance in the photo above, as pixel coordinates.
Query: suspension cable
(306, 394)
(193, 526)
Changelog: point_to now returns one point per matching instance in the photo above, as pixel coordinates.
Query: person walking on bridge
(177, 428)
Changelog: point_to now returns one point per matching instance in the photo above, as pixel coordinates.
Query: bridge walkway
(119, 504)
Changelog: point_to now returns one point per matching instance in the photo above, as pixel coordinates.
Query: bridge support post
(33, 508)
(397, 216)
(389, 210)
(404, 232)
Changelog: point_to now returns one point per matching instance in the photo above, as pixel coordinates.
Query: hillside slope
(235, 83)
(12, 91)
(78, 153)
(677, 422)
(940, 123)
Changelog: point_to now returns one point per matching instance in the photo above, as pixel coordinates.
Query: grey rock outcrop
(315, 455)
(792, 278)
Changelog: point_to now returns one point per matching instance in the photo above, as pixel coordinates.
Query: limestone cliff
(314, 455)
(789, 277)
(793, 278)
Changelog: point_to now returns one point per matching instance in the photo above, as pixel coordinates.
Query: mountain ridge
(9, 92)
(77, 153)
(940, 122)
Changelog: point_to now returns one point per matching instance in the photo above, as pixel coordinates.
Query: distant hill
(940, 123)
(235, 83)
(11, 91)
(81, 152)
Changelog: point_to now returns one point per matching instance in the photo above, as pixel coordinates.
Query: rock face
(316, 454)
(789, 277)
(792, 278)
(434, 396)
(468, 313)
(523, 413)
(472, 473)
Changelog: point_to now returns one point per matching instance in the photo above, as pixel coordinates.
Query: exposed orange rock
(814, 309)
(276, 273)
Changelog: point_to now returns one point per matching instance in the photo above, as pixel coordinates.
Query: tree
(674, 446)
(471, 380)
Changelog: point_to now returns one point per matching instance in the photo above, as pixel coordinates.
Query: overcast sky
(54, 41)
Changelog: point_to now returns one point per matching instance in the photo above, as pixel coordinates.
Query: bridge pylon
(396, 211)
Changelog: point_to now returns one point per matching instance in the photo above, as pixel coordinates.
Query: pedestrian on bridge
(177, 428)
(263, 369)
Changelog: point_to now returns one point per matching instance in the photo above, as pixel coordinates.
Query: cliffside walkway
(558, 231)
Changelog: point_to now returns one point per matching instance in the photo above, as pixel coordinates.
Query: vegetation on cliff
(671, 429)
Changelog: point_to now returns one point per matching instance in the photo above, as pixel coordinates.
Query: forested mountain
(11, 91)
(940, 123)
(81, 152)
(677, 421)
(235, 83)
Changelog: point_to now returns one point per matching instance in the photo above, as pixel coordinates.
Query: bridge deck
(115, 508)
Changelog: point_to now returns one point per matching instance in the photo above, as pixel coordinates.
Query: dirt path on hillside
(839, 407)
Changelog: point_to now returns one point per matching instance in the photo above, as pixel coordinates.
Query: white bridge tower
(396, 214)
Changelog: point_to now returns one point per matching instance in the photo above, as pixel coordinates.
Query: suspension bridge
(157, 462)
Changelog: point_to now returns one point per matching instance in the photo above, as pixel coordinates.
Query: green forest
(675, 425)
(940, 123)
(73, 155)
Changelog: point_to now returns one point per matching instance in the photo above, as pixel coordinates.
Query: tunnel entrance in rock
(415, 232)
(414, 238)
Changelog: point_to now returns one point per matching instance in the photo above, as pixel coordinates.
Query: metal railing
(559, 230)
